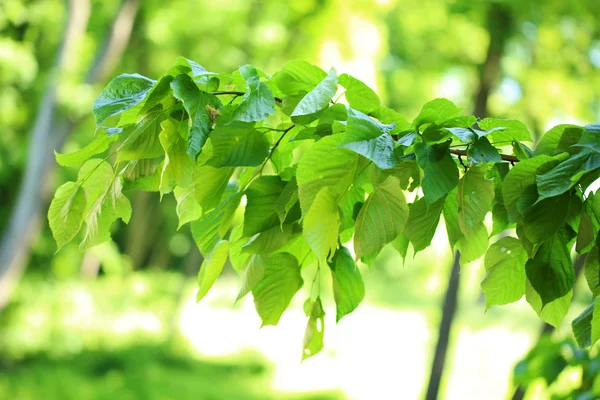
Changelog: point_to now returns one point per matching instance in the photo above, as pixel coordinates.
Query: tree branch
(505, 157)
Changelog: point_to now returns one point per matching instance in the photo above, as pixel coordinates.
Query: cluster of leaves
(550, 361)
(323, 183)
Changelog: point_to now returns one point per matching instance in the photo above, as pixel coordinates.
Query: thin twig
(236, 93)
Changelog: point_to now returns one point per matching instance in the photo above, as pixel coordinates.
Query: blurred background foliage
(111, 323)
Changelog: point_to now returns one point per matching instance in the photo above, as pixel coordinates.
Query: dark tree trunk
(448, 311)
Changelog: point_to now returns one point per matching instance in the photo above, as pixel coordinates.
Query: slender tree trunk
(49, 132)
(441, 348)
(499, 22)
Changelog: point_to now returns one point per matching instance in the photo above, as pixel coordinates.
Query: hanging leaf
(200, 106)
(325, 165)
(315, 328)
(121, 94)
(348, 286)
(66, 212)
(321, 225)
(441, 173)
(474, 198)
(359, 95)
(379, 150)
(238, 145)
(318, 98)
(298, 76)
(280, 282)
(258, 101)
(99, 145)
(505, 280)
(422, 222)
(381, 219)
(211, 268)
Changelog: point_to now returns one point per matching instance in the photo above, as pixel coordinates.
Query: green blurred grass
(138, 372)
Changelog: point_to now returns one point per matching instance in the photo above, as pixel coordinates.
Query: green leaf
(379, 150)
(422, 222)
(558, 140)
(106, 204)
(588, 229)
(553, 312)
(505, 280)
(359, 95)
(474, 198)
(514, 130)
(212, 226)
(550, 271)
(238, 145)
(100, 144)
(586, 327)
(66, 212)
(143, 175)
(474, 244)
(298, 76)
(262, 196)
(381, 219)
(582, 326)
(362, 127)
(210, 184)
(211, 268)
(348, 285)
(451, 218)
(199, 105)
(592, 271)
(482, 151)
(280, 282)
(268, 241)
(521, 178)
(565, 175)
(188, 208)
(440, 171)
(121, 94)
(521, 151)
(545, 218)
(318, 98)
(287, 199)
(321, 225)
(436, 111)
(390, 117)
(253, 274)
(325, 165)
(143, 142)
(258, 101)
(177, 168)
(186, 66)
(315, 328)
(401, 245)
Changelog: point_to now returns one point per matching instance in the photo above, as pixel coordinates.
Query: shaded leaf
(66, 212)
(348, 286)
(381, 219)
(280, 282)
